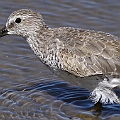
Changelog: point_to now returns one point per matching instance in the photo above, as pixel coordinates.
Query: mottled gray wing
(85, 53)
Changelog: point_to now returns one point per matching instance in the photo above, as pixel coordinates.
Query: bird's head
(23, 22)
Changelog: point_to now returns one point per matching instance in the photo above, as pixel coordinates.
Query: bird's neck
(45, 48)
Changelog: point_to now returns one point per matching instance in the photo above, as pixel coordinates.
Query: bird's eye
(18, 20)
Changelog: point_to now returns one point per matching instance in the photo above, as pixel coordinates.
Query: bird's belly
(88, 82)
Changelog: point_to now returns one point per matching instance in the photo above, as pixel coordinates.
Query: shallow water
(28, 89)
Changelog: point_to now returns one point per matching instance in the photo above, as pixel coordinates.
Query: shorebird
(77, 51)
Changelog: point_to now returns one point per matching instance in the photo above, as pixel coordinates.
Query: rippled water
(28, 89)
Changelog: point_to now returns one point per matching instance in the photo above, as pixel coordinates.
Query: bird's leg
(97, 109)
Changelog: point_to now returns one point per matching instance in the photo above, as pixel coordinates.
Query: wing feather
(90, 53)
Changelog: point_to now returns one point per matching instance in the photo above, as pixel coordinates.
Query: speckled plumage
(78, 51)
